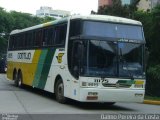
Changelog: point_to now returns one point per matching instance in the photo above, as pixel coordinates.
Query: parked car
(3, 65)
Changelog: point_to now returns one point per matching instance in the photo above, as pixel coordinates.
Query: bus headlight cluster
(89, 84)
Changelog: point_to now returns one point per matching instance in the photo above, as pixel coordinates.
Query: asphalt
(153, 102)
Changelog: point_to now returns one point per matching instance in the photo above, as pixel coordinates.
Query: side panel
(26, 61)
(34, 65)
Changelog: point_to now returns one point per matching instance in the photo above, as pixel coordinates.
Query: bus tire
(59, 91)
(15, 78)
(19, 80)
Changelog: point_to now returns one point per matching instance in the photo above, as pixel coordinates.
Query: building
(104, 2)
(48, 11)
(144, 5)
(147, 4)
(109, 2)
(154, 3)
(126, 2)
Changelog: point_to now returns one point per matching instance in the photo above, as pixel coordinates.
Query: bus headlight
(89, 84)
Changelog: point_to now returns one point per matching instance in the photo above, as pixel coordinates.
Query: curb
(151, 102)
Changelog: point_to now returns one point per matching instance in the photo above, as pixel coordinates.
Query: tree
(155, 35)
(132, 8)
(16, 20)
(47, 19)
(151, 24)
(5, 28)
(116, 9)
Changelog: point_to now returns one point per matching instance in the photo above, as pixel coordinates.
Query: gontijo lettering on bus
(24, 55)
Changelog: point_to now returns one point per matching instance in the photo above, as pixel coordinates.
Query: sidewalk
(153, 102)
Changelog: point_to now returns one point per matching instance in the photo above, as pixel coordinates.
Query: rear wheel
(59, 91)
(15, 79)
(18, 79)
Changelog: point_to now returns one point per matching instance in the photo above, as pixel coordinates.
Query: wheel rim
(5, 69)
(19, 82)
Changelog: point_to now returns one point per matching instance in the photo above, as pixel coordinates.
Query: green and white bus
(91, 58)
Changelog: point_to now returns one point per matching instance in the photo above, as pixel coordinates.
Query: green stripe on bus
(39, 68)
(46, 68)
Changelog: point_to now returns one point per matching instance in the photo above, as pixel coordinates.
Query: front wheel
(59, 92)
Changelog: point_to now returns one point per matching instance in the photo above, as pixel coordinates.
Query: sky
(82, 7)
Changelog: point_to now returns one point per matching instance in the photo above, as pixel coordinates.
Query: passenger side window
(61, 31)
(75, 28)
(49, 36)
(38, 38)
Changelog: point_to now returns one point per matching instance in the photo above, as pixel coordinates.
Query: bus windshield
(113, 59)
(111, 49)
(112, 30)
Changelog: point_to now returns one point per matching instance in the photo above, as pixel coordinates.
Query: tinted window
(11, 39)
(100, 58)
(75, 28)
(61, 31)
(49, 36)
(112, 30)
(38, 38)
(29, 39)
(131, 59)
(22, 41)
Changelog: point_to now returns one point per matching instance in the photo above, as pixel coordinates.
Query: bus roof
(39, 26)
(105, 18)
(108, 18)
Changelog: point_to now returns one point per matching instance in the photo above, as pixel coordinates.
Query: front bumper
(111, 95)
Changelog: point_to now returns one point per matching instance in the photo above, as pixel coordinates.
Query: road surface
(31, 103)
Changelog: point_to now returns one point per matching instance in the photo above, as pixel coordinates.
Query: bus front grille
(117, 85)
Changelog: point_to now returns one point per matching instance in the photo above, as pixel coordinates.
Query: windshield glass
(130, 60)
(112, 59)
(112, 30)
(100, 58)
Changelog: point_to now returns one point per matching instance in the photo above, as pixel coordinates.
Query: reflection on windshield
(130, 59)
(113, 59)
(101, 58)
